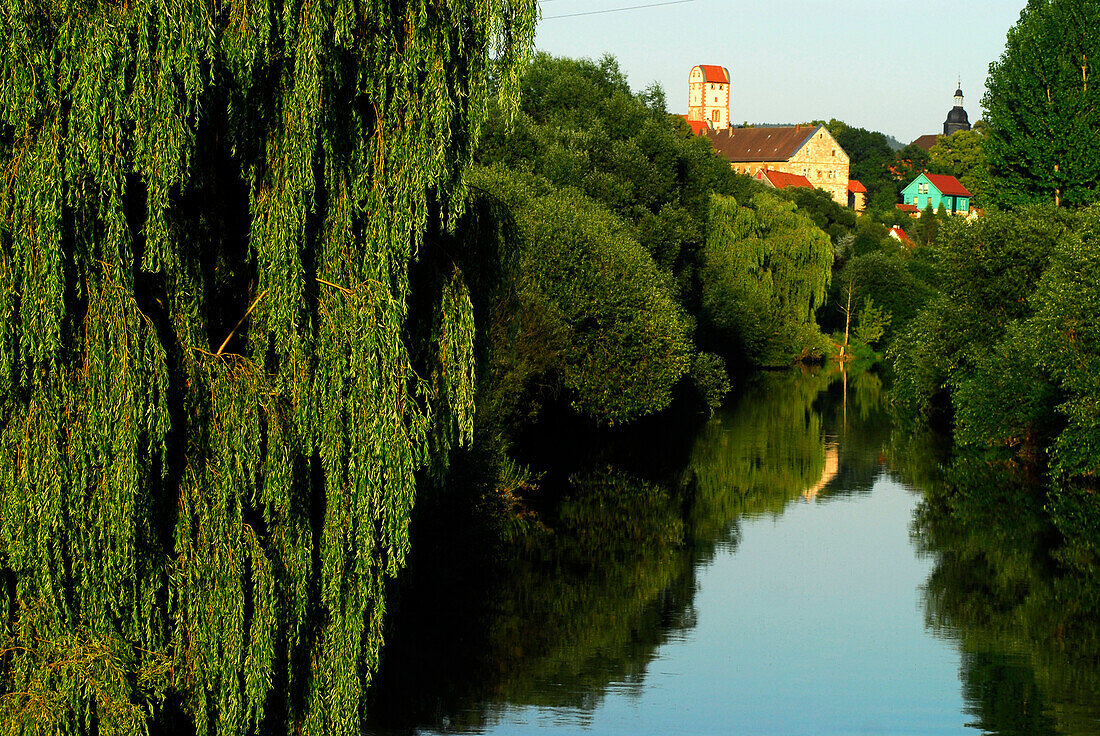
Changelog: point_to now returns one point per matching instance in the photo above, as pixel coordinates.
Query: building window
(834, 151)
(715, 115)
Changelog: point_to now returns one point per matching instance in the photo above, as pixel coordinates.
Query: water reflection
(581, 617)
(585, 610)
(1027, 628)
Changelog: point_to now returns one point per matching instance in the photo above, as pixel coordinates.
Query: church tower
(709, 96)
(956, 119)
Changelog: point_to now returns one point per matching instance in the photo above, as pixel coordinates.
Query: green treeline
(618, 270)
(1007, 354)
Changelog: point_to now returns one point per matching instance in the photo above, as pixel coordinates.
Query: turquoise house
(937, 189)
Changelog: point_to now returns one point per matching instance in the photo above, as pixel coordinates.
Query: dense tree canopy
(592, 319)
(1043, 106)
(962, 155)
(766, 272)
(211, 422)
(870, 157)
(1009, 349)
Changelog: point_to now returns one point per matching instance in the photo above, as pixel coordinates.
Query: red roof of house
(898, 233)
(782, 180)
(760, 144)
(948, 185)
(854, 185)
(908, 207)
(717, 74)
(698, 127)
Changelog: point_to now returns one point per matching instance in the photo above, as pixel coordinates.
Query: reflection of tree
(1028, 629)
(588, 607)
(758, 456)
(852, 410)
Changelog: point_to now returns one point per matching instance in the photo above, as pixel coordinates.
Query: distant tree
(962, 155)
(929, 225)
(986, 272)
(1043, 108)
(909, 162)
(887, 278)
(871, 159)
(817, 204)
(580, 126)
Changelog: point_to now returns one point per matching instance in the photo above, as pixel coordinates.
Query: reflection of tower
(832, 467)
(956, 119)
(709, 96)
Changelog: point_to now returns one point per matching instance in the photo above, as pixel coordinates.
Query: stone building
(709, 96)
(805, 150)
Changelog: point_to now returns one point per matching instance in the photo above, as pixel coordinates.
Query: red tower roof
(716, 74)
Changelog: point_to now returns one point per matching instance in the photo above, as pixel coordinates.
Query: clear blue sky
(887, 65)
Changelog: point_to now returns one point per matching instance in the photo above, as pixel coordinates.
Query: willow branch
(240, 322)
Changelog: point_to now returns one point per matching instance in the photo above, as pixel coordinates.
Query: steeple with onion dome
(956, 119)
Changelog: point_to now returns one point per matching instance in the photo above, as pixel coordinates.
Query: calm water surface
(775, 577)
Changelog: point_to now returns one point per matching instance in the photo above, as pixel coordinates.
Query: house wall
(913, 194)
(755, 167)
(824, 163)
(857, 201)
(708, 101)
(921, 192)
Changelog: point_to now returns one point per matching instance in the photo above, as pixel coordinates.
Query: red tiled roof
(698, 127)
(908, 207)
(760, 144)
(948, 185)
(898, 233)
(782, 180)
(855, 186)
(926, 141)
(716, 74)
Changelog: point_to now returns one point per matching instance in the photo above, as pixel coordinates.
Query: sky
(886, 65)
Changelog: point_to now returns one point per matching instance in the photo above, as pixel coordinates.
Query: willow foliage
(766, 271)
(210, 418)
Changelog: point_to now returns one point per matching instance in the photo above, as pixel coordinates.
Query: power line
(616, 10)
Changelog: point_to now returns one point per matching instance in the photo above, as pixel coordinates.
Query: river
(786, 568)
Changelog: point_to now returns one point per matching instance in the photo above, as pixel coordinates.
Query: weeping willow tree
(211, 417)
(766, 271)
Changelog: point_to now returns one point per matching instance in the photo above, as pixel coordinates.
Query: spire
(959, 94)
